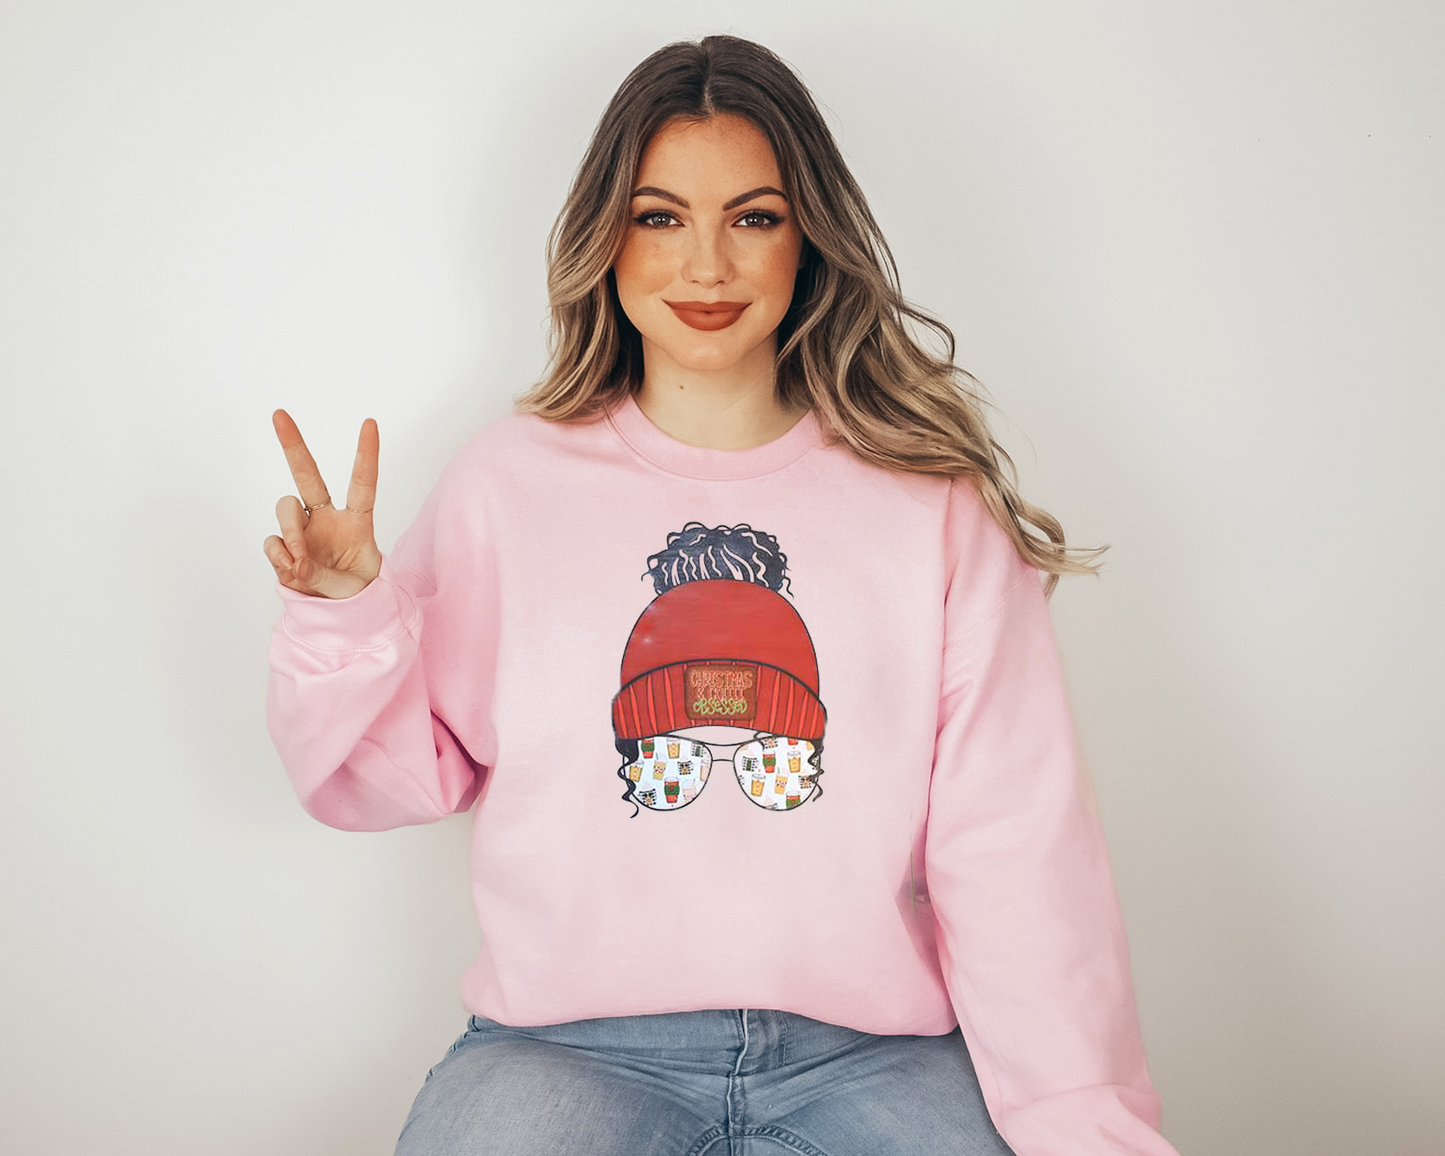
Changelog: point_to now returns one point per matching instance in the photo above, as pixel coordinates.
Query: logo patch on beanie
(720, 691)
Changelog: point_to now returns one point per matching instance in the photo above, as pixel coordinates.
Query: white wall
(1194, 250)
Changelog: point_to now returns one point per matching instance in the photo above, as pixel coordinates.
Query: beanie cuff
(721, 692)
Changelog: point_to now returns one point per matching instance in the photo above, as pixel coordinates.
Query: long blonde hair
(846, 348)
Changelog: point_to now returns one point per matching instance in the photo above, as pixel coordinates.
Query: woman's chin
(712, 356)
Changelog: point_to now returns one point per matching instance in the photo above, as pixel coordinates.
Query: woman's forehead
(710, 155)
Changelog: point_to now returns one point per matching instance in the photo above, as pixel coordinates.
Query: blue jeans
(720, 1083)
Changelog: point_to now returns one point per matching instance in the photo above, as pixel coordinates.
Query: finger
(292, 519)
(361, 493)
(277, 554)
(303, 466)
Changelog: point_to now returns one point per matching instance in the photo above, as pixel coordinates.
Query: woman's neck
(717, 410)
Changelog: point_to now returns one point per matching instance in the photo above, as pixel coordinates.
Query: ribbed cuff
(370, 618)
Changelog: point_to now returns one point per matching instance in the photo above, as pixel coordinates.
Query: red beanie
(719, 651)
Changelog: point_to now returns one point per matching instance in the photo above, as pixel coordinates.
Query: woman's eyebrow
(763, 191)
(663, 194)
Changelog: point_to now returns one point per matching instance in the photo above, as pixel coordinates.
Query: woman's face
(712, 249)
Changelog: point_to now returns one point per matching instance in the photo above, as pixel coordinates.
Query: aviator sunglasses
(773, 771)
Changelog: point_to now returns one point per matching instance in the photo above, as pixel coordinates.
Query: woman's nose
(707, 262)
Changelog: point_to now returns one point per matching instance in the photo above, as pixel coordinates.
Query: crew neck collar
(664, 451)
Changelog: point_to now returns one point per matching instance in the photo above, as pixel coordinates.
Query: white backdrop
(1195, 251)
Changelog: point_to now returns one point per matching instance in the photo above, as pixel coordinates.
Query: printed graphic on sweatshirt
(719, 667)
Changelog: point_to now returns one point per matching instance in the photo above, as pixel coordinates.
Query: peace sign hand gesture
(321, 550)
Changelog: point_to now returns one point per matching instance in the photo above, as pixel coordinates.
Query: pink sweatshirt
(765, 728)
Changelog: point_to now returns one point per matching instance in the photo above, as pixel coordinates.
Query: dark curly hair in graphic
(696, 552)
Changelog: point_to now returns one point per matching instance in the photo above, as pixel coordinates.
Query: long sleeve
(350, 711)
(1030, 935)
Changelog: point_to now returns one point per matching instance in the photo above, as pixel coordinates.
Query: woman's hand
(321, 550)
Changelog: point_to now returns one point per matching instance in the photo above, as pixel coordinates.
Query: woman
(745, 479)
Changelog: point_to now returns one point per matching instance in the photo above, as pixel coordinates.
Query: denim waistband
(740, 1042)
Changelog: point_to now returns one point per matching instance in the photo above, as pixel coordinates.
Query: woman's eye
(759, 218)
(655, 219)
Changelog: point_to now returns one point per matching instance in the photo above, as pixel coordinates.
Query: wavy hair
(850, 347)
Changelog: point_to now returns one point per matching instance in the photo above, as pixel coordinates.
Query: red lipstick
(708, 315)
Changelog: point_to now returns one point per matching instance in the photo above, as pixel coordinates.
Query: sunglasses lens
(775, 772)
(669, 772)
